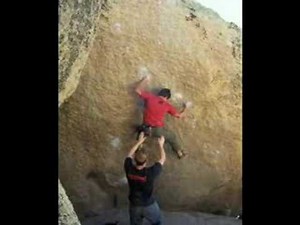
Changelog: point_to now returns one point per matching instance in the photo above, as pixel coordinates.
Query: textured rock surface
(77, 28)
(67, 215)
(200, 60)
(168, 218)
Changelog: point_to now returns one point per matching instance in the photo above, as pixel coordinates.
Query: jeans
(151, 213)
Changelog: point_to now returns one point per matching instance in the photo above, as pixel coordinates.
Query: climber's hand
(188, 104)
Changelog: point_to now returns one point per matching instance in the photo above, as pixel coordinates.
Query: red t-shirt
(155, 109)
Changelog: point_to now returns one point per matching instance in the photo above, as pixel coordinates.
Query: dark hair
(140, 163)
(165, 92)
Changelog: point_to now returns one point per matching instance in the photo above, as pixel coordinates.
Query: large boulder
(78, 21)
(67, 215)
(199, 58)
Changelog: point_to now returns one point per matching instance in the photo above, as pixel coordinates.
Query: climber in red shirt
(156, 107)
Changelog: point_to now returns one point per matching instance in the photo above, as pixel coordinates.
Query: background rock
(67, 215)
(78, 21)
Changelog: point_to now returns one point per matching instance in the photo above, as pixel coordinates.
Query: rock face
(67, 215)
(199, 58)
(77, 28)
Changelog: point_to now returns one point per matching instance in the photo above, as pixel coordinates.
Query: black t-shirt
(141, 182)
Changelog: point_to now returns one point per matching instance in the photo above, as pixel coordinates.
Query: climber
(156, 106)
(142, 203)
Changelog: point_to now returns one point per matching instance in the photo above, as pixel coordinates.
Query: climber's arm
(180, 114)
(141, 85)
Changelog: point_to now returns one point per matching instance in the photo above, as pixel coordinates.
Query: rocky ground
(169, 218)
